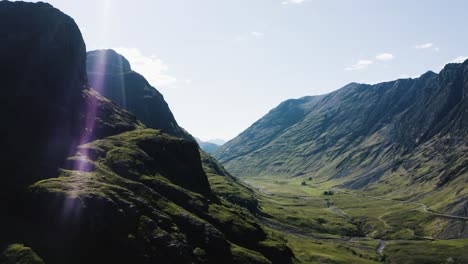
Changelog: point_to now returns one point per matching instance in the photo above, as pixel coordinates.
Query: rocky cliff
(84, 181)
(111, 75)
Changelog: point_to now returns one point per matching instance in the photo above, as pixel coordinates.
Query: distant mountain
(217, 141)
(405, 138)
(86, 181)
(207, 146)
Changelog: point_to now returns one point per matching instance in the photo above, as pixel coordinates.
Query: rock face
(84, 181)
(110, 74)
(407, 137)
(43, 77)
(105, 118)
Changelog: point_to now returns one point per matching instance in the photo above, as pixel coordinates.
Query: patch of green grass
(288, 202)
(245, 256)
(234, 191)
(133, 185)
(415, 252)
(342, 214)
(20, 254)
(321, 251)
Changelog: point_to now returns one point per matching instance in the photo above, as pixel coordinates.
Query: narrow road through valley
(424, 207)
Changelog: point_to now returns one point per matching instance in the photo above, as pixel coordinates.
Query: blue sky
(221, 65)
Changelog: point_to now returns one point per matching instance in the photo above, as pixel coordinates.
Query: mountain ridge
(112, 76)
(361, 135)
(207, 146)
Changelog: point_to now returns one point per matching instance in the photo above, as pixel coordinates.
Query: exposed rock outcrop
(111, 75)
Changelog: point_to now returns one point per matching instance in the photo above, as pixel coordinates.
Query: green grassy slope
(19, 254)
(122, 200)
(404, 139)
(350, 227)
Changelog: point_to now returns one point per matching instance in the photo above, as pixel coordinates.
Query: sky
(221, 65)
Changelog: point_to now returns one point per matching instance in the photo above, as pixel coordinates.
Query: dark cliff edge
(43, 75)
(85, 181)
(111, 75)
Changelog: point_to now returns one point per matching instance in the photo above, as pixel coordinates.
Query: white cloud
(257, 34)
(385, 57)
(292, 2)
(362, 64)
(459, 59)
(151, 67)
(424, 46)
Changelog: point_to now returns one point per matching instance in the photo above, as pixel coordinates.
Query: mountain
(110, 74)
(217, 141)
(86, 181)
(39, 64)
(207, 146)
(405, 139)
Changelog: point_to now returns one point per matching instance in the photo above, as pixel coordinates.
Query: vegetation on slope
(404, 139)
(19, 254)
(130, 194)
(130, 198)
(353, 227)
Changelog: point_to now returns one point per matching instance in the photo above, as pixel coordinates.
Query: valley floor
(352, 227)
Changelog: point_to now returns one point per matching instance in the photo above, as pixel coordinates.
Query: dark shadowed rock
(43, 67)
(110, 74)
(107, 118)
(83, 181)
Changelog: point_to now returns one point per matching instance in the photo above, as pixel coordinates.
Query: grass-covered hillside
(143, 196)
(323, 224)
(404, 139)
(87, 182)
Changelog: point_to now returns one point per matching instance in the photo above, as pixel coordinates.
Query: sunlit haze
(221, 65)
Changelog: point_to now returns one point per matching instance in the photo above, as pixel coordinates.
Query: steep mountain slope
(85, 182)
(110, 74)
(406, 139)
(39, 64)
(122, 201)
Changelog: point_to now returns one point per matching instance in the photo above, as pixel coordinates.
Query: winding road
(302, 233)
(424, 207)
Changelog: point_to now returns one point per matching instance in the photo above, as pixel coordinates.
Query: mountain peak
(427, 75)
(107, 61)
(110, 74)
(44, 74)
